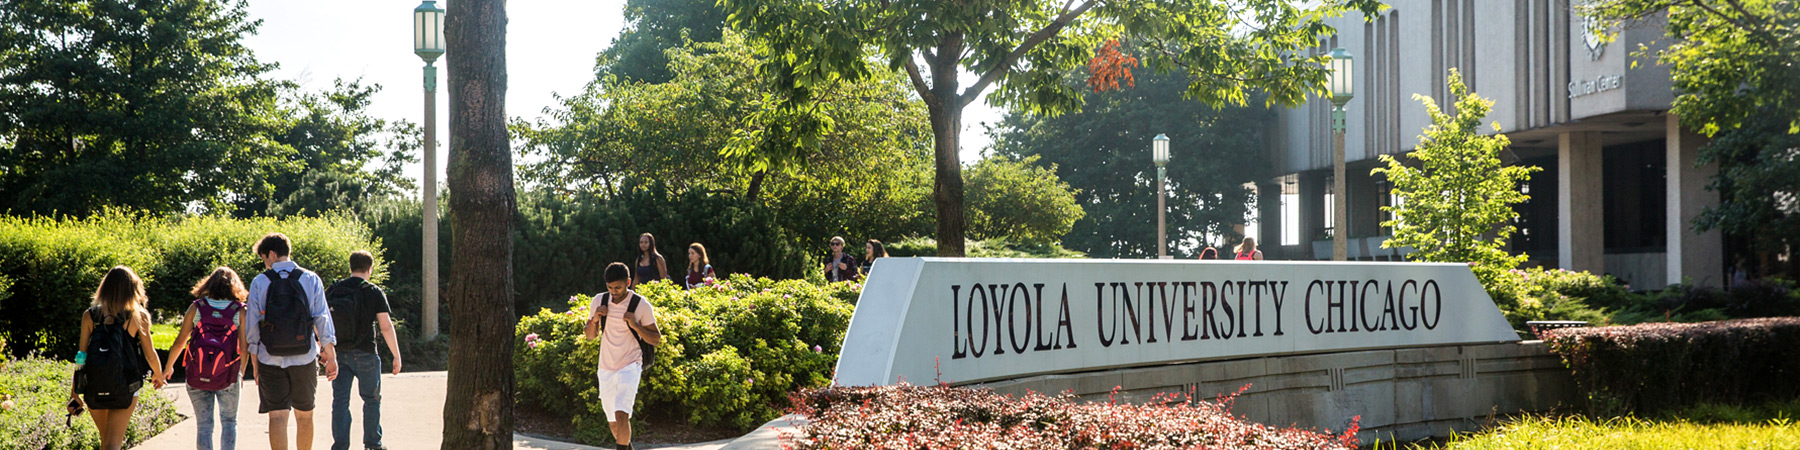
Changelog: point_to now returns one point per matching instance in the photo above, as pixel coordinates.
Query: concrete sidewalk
(412, 416)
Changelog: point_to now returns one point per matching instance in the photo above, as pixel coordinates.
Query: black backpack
(287, 323)
(648, 350)
(115, 365)
(345, 300)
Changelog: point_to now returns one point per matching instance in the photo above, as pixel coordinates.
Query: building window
(1635, 205)
(1290, 219)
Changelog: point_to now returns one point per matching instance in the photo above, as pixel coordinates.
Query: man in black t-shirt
(365, 306)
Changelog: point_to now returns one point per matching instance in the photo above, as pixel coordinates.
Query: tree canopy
(1027, 50)
(1103, 151)
(655, 27)
(152, 105)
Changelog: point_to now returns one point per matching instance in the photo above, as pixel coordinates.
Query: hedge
(38, 389)
(930, 417)
(730, 353)
(54, 265)
(1656, 367)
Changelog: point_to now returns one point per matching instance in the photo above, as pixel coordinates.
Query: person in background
(699, 270)
(1247, 251)
(1209, 253)
(871, 251)
(650, 263)
(212, 335)
(840, 266)
(115, 334)
(366, 313)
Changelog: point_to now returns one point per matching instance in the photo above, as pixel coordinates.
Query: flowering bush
(731, 352)
(1554, 294)
(1657, 366)
(914, 417)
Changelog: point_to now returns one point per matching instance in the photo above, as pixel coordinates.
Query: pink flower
(786, 296)
(751, 381)
(532, 344)
(818, 349)
(571, 299)
(533, 337)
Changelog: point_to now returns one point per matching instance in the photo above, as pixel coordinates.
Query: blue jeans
(226, 401)
(366, 367)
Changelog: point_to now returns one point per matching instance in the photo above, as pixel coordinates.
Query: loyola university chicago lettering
(996, 319)
(969, 320)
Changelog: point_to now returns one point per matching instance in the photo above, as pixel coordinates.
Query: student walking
(1209, 253)
(290, 333)
(840, 266)
(1247, 251)
(626, 324)
(116, 354)
(212, 345)
(650, 263)
(699, 269)
(359, 311)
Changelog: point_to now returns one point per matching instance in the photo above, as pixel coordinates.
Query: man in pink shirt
(626, 325)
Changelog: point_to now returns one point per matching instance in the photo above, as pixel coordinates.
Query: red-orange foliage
(1109, 65)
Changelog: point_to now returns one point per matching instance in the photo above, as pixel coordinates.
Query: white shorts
(618, 388)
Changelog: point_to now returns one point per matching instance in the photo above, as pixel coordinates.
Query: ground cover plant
(1708, 426)
(731, 353)
(913, 417)
(38, 388)
(1655, 367)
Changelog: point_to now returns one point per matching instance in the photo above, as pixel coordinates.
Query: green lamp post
(1341, 92)
(428, 43)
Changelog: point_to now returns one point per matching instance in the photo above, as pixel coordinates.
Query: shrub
(912, 417)
(54, 265)
(39, 389)
(1690, 303)
(730, 353)
(1553, 294)
(1654, 367)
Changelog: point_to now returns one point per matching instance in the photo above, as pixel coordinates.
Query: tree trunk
(756, 182)
(478, 411)
(945, 108)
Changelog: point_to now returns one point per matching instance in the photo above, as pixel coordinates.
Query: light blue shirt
(315, 301)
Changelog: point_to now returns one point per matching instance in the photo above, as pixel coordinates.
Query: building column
(1580, 219)
(1268, 220)
(1695, 257)
(1312, 211)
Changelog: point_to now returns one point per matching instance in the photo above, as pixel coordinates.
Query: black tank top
(647, 273)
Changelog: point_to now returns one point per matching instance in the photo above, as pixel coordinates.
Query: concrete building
(1619, 187)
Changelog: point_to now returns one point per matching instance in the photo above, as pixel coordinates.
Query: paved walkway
(412, 420)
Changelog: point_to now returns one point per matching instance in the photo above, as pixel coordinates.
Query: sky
(550, 49)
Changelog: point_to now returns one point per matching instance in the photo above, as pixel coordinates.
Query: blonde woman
(1247, 251)
(116, 353)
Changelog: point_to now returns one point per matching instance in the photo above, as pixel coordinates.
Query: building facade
(1618, 190)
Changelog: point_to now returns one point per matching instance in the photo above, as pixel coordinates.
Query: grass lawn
(163, 334)
(1771, 426)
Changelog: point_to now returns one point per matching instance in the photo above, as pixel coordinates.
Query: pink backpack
(213, 362)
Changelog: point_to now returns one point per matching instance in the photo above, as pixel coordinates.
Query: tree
(151, 105)
(657, 26)
(866, 178)
(478, 404)
(1228, 47)
(336, 145)
(1103, 151)
(1018, 201)
(1456, 206)
(1736, 81)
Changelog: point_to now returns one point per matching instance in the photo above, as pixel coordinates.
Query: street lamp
(1341, 92)
(1159, 152)
(428, 43)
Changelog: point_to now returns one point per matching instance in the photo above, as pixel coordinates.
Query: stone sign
(963, 320)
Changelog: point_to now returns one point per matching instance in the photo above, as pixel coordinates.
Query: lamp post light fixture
(1342, 90)
(428, 43)
(1159, 152)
